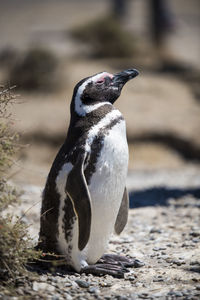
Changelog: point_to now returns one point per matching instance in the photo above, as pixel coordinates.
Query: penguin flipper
(77, 190)
(122, 216)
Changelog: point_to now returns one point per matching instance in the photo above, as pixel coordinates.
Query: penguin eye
(100, 81)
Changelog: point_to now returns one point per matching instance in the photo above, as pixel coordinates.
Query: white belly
(106, 190)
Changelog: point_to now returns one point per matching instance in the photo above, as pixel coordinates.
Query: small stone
(42, 286)
(178, 294)
(43, 278)
(20, 291)
(93, 290)
(143, 295)
(138, 284)
(131, 278)
(35, 286)
(155, 230)
(185, 292)
(178, 262)
(55, 297)
(196, 241)
(83, 284)
(67, 296)
(106, 284)
(68, 284)
(195, 269)
(54, 279)
(198, 287)
(195, 233)
(175, 294)
(186, 245)
(170, 293)
(156, 249)
(121, 298)
(74, 285)
(157, 295)
(158, 279)
(159, 248)
(133, 296)
(138, 263)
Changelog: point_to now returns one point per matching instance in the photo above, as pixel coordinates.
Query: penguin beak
(123, 77)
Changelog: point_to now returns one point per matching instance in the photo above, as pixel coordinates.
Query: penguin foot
(124, 261)
(105, 269)
(112, 264)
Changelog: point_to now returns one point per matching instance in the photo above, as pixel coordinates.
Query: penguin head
(94, 91)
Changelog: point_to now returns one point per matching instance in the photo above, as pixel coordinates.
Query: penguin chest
(107, 186)
(111, 166)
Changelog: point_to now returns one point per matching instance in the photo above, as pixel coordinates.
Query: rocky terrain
(163, 236)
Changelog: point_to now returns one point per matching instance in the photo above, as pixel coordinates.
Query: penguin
(85, 198)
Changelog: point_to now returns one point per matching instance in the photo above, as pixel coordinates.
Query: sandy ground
(164, 236)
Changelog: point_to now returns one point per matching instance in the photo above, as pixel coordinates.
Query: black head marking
(100, 88)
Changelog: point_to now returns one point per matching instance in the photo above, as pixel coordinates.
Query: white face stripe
(114, 114)
(82, 109)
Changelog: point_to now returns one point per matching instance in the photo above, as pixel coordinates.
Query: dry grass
(15, 248)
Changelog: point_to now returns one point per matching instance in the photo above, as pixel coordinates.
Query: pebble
(158, 279)
(133, 297)
(157, 295)
(138, 263)
(159, 248)
(121, 297)
(178, 262)
(175, 293)
(106, 284)
(93, 290)
(55, 297)
(195, 233)
(196, 240)
(67, 296)
(155, 230)
(68, 284)
(83, 284)
(178, 294)
(131, 278)
(143, 295)
(141, 282)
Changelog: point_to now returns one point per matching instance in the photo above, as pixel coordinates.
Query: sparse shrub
(15, 248)
(7, 138)
(36, 70)
(106, 38)
(14, 241)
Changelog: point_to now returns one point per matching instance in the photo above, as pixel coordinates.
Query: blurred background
(47, 46)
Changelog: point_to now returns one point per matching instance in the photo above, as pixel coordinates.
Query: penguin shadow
(50, 265)
(161, 196)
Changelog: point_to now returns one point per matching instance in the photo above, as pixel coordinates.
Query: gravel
(164, 240)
